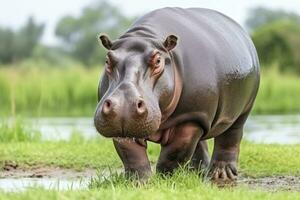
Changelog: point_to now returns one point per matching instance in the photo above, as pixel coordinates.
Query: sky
(14, 13)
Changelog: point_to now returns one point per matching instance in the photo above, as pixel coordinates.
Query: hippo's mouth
(141, 141)
(161, 137)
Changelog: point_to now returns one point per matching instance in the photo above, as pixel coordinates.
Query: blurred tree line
(78, 36)
(17, 45)
(276, 34)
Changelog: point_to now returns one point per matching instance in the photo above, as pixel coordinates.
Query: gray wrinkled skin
(206, 89)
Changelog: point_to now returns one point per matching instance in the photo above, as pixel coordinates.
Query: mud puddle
(21, 184)
(14, 178)
(78, 180)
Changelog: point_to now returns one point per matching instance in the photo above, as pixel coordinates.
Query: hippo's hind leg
(200, 159)
(180, 147)
(223, 165)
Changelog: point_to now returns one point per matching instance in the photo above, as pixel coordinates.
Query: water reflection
(280, 129)
(277, 129)
(21, 184)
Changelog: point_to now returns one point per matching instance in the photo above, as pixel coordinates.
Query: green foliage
(79, 34)
(52, 56)
(278, 93)
(17, 45)
(259, 17)
(276, 37)
(48, 91)
(279, 42)
(7, 45)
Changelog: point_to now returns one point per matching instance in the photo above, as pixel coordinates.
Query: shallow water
(278, 129)
(62, 128)
(21, 184)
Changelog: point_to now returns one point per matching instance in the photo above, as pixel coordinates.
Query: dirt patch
(268, 183)
(13, 170)
(272, 184)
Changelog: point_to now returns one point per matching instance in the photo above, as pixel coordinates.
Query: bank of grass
(29, 90)
(22, 145)
(256, 160)
(15, 130)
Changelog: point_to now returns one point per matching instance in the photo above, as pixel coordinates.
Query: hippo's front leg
(180, 147)
(134, 157)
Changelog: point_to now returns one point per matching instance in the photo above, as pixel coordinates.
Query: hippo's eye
(156, 64)
(108, 66)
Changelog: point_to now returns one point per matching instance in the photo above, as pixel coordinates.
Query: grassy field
(256, 160)
(72, 91)
(181, 187)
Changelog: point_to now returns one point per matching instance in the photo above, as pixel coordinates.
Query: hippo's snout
(111, 108)
(126, 114)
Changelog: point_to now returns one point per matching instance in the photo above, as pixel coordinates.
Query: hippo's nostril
(107, 107)
(141, 107)
(108, 103)
(140, 104)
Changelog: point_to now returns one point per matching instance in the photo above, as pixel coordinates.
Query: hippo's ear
(170, 42)
(105, 41)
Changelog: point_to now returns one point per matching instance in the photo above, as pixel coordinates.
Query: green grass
(21, 144)
(188, 189)
(255, 159)
(183, 185)
(46, 91)
(28, 90)
(278, 93)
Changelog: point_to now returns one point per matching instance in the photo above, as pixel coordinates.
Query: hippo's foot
(222, 171)
(140, 175)
(200, 159)
(223, 166)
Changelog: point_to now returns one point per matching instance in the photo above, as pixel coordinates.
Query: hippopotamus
(178, 77)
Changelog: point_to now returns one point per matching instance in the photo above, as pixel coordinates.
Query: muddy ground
(12, 170)
(270, 183)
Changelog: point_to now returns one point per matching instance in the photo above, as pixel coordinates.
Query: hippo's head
(138, 88)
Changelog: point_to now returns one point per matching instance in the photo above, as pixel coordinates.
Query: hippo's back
(199, 29)
(216, 59)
